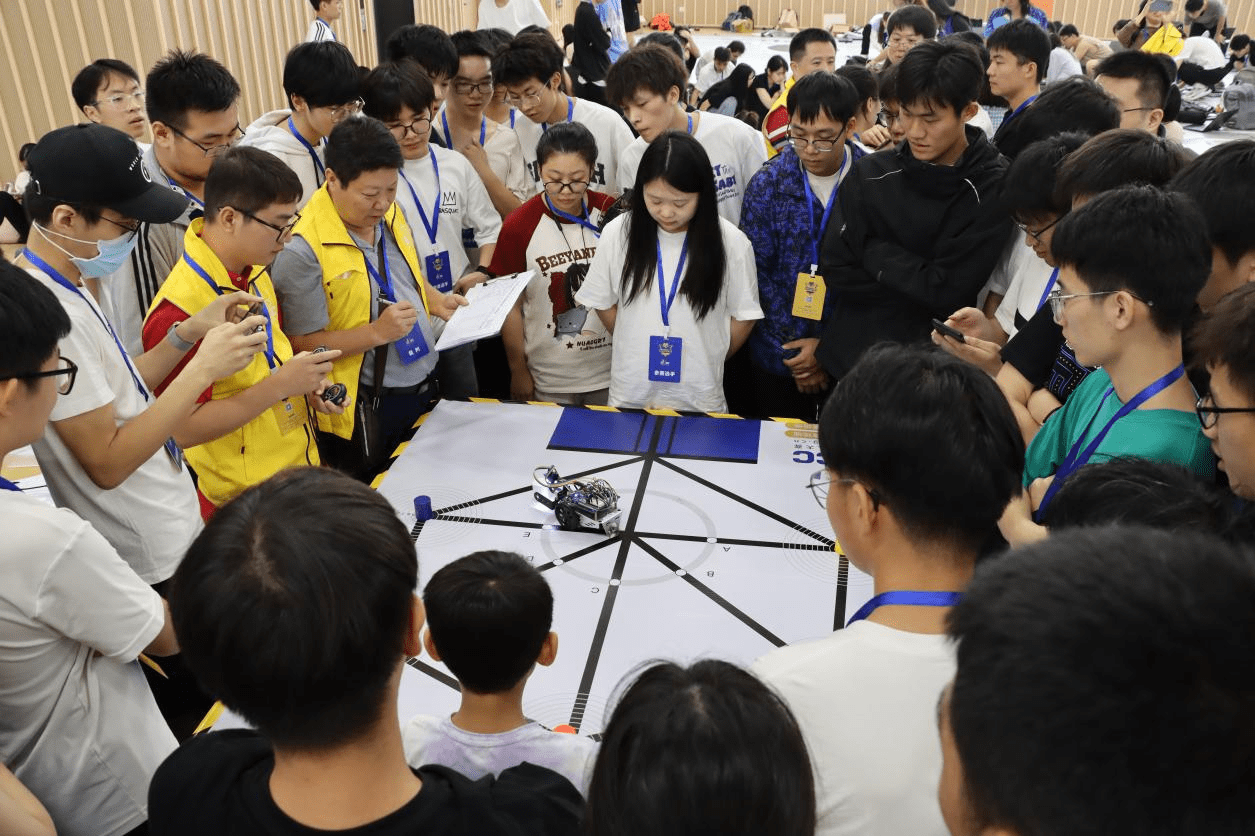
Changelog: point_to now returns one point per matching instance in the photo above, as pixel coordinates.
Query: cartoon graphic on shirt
(568, 317)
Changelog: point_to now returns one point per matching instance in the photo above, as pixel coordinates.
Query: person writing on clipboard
(350, 280)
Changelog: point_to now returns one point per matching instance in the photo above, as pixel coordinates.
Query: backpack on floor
(728, 21)
(1239, 99)
(787, 21)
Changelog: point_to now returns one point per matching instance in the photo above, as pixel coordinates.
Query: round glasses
(556, 187)
(419, 125)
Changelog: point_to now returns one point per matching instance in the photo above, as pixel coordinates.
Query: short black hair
(1028, 188)
(722, 54)
(39, 207)
(645, 67)
(919, 19)
(1068, 30)
(1241, 41)
(1225, 336)
(1139, 680)
(489, 614)
(1117, 158)
(832, 94)
(684, 752)
(429, 45)
(471, 44)
(495, 38)
(945, 73)
(359, 145)
(526, 57)
(665, 40)
(1026, 41)
(32, 322)
(863, 79)
(911, 424)
(888, 84)
(392, 86)
(1140, 239)
(1075, 105)
(323, 73)
(183, 81)
(1194, 5)
(1134, 491)
(1152, 75)
(1217, 182)
(92, 77)
(737, 47)
(249, 180)
(567, 138)
(293, 603)
(803, 39)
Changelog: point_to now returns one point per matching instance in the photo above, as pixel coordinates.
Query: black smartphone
(941, 328)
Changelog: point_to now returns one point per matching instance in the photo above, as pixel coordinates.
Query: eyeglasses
(823, 146)
(118, 100)
(522, 101)
(1208, 413)
(1038, 233)
(65, 366)
(887, 117)
(555, 187)
(284, 231)
(819, 483)
(465, 88)
(894, 40)
(400, 129)
(339, 112)
(1057, 298)
(213, 150)
(127, 227)
(1135, 109)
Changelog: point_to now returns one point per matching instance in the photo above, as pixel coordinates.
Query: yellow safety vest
(258, 450)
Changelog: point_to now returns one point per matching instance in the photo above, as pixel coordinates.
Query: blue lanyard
(1050, 285)
(313, 155)
(907, 597)
(222, 291)
(513, 113)
(384, 281)
(570, 113)
(665, 299)
(432, 225)
(483, 130)
(6, 485)
(1016, 112)
(70, 286)
(185, 192)
(582, 221)
(690, 127)
(1078, 456)
(832, 201)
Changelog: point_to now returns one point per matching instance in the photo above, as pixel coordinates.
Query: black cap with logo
(95, 165)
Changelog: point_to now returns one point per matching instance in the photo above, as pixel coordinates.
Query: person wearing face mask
(109, 454)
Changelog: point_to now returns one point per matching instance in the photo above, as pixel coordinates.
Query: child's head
(488, 620)
(530, 69)
(823, 108)
(908, 27)
(251, 198)
(919, 442)
(295, 607)
(647, 82)
(472, 87)
(1224, 344)
(812, 50)
(1131, 263)
(32, 322)
(432, 48)
(566, 156)
(1139, 83)
(1134, 491)
(703, 749)
(938, 84)
(1019, 54)
(401, 96)
(108, 91)
(1134, 714)
(321, 81)
(1118, 158)
(864, 81)
(1219, 182)
(1074, 104)
(1028, 190)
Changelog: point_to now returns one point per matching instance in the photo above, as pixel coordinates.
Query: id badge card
(413, 346)
(174, 452)
(665, 358)
(808, 296)
(439, 271)
(291, 414)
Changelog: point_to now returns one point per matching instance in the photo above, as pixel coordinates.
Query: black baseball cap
(100, 166)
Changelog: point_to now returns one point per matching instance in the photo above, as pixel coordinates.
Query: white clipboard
(489, 304)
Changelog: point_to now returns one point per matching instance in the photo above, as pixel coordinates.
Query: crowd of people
(1021, 314)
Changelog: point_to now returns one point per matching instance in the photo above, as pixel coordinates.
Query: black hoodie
(918, 241)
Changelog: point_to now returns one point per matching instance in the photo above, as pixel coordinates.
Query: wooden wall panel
(44, 43)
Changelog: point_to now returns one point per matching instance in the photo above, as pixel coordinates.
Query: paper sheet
(490, 302)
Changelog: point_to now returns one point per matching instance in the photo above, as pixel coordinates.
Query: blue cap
(422, 508)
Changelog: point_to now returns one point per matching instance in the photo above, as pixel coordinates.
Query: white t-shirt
(505, 154)
(608, 129)
(153, 516)
(516, 15)
(736, 153)
(319, 30)
(1063, 64)
(270, 133)
(436, 740)
(78, 725)
(866, 700)
(466, 215)
(1025, 294)
(823, 186)
(705, 342)
(1203, 51)
(709, 75)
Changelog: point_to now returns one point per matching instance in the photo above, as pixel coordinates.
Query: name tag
(291, 414)
(665, 356)
(439, 271)
(175, 453)
(413, 346)
(808, 296)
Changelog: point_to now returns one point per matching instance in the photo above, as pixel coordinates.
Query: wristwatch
(172, 336)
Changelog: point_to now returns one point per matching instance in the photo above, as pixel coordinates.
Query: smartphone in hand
(941, 328)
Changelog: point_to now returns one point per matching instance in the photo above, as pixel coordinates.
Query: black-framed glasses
(214, 150)
(116, 101)
(400, 129)
(887, 117)
(283, 231)
(120, 225)
(1208, 413)
(823, 146)
(555, 187)
(65, 366)
(465, 88)
(1058, 299)
(352, 108)
(819, 482)
(1038, 233)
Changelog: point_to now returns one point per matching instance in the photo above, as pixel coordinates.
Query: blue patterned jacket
(779, 224)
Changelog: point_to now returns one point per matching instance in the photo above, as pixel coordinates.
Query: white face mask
(110, 256)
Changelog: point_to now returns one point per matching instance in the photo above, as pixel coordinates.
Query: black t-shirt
(218, 783)
(1038, 352)
(754, 102)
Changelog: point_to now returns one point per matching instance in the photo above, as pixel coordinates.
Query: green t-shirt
(1163, 435)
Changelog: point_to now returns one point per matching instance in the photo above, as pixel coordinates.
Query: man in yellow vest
(251, 425)
(349, 280)
(810, 51)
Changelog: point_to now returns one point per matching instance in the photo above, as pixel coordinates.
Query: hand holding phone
(954, 333)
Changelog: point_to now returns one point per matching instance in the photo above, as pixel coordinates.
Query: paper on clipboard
(489, 304)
